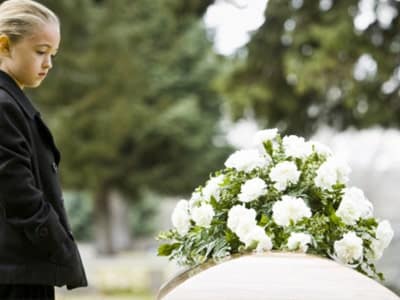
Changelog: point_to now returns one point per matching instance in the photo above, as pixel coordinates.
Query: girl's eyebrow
(46, 45)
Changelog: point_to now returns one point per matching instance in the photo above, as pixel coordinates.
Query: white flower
(321, 149)
(348, 212)
(258, 235)
(354, 205)
(180, 217)
(349, 249)
(376, 251)
(182, 205)
(247, 160)
(252, 189)
(296, 146)
(244, 229)
(265, 135)
(326, 176)
(212, 188)
(330, 173)
(384, 233)
(283, 174)
(202, 215)
(343, 170)
(299, 241)
(195, 199)
(238, 213)
(289, 208)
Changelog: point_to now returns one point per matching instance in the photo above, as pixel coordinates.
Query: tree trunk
(102, 230)
(120, 228)
(112, 232)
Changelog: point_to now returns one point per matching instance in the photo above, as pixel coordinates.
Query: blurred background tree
(320, 62)
(131, 101)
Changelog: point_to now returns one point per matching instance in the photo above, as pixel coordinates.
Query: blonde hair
(20, 18)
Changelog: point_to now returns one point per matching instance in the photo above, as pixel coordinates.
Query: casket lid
(274, 276)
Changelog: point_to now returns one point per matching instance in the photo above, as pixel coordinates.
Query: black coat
(36, 242)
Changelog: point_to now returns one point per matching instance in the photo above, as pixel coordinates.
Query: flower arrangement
(285, 194)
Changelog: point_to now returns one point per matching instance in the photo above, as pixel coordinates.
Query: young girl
(37, 249)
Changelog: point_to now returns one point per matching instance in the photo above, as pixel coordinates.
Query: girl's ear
(4, 45)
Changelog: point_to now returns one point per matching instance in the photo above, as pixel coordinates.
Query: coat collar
(9, 84)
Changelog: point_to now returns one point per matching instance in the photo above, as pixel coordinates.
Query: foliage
(143, 214)
(79, 207)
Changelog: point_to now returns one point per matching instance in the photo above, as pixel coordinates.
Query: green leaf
(166, 249)
(268, 147)
(264, 220)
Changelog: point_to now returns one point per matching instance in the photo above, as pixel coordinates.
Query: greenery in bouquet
(284, 194)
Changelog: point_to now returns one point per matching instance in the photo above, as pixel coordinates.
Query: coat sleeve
(21, 201)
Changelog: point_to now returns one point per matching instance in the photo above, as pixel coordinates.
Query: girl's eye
(40, 52)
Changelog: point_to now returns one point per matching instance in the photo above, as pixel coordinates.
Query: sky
(232, 21)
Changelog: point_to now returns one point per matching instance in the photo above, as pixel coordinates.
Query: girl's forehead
(46, 34)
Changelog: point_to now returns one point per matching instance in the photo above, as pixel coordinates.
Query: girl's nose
(47, 63)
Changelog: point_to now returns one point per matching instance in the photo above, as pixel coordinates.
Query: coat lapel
(48, 137)
(9, 85)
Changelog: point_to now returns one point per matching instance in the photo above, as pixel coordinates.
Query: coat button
(71, 235)
(54, 167)
(43, 232)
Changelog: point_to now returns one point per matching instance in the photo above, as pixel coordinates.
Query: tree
(309, 64)
(131, 101)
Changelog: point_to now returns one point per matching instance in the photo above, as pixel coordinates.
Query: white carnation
(238, 213)
(252, 189)
(384, 233)
(321, 149)
(212, 188)
(283, 174)
(244, 229)
(354, 205)
(297, 147)
(263, 136)
(343, 170)
(349, 249)
(257, 234)
(299, 241)
(289, 208)
(326, 176)
(331, 172)
(195, 199)
(182, 205)
(180, 217)
(202, 215)
(247, 160)
(376, 250)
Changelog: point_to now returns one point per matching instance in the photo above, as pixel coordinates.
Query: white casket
(274, 276)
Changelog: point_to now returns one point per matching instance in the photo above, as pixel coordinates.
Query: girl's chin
(34, 84)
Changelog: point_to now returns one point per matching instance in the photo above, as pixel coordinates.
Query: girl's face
(30, 59)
